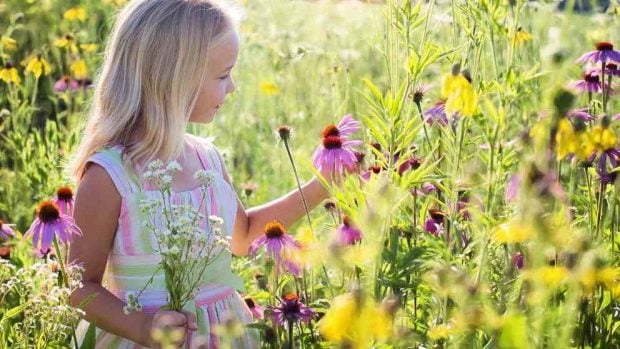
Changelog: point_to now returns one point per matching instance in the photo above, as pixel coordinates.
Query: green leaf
(90, 338)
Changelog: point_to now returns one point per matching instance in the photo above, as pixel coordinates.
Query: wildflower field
(480, 139)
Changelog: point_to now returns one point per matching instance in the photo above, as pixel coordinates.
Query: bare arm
(249, 224)
(97, 208)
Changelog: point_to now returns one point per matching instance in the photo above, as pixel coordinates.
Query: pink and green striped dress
(134, 258)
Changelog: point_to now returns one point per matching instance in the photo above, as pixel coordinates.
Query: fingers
(170, 327)
(192, 323)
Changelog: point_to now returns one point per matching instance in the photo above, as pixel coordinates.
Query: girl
(167, 63)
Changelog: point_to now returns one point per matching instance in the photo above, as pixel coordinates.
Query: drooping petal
(348, 125)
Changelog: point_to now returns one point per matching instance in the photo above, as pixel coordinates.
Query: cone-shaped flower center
(591, 77)
(330, 130)
(346, 220)
(332, 142)
(1, 224)
(604, 46)
(64, 194)
(274, 230)
(436, 214)
(250, 303)
(9, 65)
(375, 169)
(48, 211)
(284, 132)
(291, 297)
(612, 66)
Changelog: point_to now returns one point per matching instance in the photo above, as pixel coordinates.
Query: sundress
(134, 258)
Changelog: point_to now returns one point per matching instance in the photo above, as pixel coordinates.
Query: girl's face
(218, 82)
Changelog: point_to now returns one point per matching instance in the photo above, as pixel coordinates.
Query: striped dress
(134, 258)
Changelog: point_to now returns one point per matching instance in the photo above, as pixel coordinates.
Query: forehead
(224, 54)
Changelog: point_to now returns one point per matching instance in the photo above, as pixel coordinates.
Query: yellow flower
(78, 69)
(566, 141)
(439, 332)
(552, 276)
(76, 13)
(513, 232)
(269, 88)
(459, 94)
(355, 322)
(585, 146)
(67, 42)
(521, 37)
(603, 138)
(89, 47)
(37, 66)
(9, 74)
(8, 43)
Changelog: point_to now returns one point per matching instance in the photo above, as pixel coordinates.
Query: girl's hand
(169, 328)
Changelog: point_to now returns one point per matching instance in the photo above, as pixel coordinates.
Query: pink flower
(347, 234)
(6, 232)
(292, 310)
(336, 152)
(65, 83)
(258, 312)
(347, 126)
(434, 224)
(49, 224)
(591, 82)
(278, 245)
(580, 114)
(604, 53)
(436, 114)
(64, 200)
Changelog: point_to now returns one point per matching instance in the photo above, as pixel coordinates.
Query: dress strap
(112, 161)
(201, 148)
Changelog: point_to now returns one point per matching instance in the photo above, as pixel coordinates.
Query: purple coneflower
(604, 53)
(292, 310)
(518, 260)
(371, 170)
(613, 155)
(437, 114)
(434, 224)
(580, 114)
(64, 200)
(258, 312)
(611, 69)
(616, 117)
(347, 126)
(6, 232)
(66, 82)
(347, 234)
(336, 152)
(278, 245)
(591, 82)
(50, 223)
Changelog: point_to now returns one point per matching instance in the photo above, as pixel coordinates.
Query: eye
(224, 77)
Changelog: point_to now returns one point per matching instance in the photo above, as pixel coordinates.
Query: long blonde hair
(155, 61)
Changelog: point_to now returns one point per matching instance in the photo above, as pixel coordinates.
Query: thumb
(192, 323)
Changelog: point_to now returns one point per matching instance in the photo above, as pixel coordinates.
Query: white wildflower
(205, 177)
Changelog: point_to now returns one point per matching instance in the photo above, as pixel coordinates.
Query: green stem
(303, 198)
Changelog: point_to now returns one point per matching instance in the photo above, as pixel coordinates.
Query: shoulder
(97, 189)
(213, 153)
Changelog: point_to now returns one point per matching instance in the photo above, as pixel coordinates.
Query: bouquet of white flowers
(185, 247)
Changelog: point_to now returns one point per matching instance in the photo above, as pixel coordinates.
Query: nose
(230, 88)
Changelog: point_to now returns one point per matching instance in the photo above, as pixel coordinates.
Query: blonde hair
(155, 61)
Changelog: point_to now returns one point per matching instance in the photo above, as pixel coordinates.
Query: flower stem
(303, 198)
(65, 279)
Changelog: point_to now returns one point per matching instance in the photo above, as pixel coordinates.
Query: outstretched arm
(287, 209)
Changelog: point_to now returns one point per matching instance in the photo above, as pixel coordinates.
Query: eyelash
(224, 77)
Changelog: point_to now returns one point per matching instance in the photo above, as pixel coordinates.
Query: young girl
(167, 63)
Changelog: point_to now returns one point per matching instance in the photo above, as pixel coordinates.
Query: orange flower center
(274, 229)
(47, 211)
(330, 130)
(332, 142)
(64, 194)
(604, 46)
(291, 297)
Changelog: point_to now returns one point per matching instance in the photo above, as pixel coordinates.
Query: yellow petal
(78, 69)
(76, 13)
(89, 47)
(9, 44)
(269, 88)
